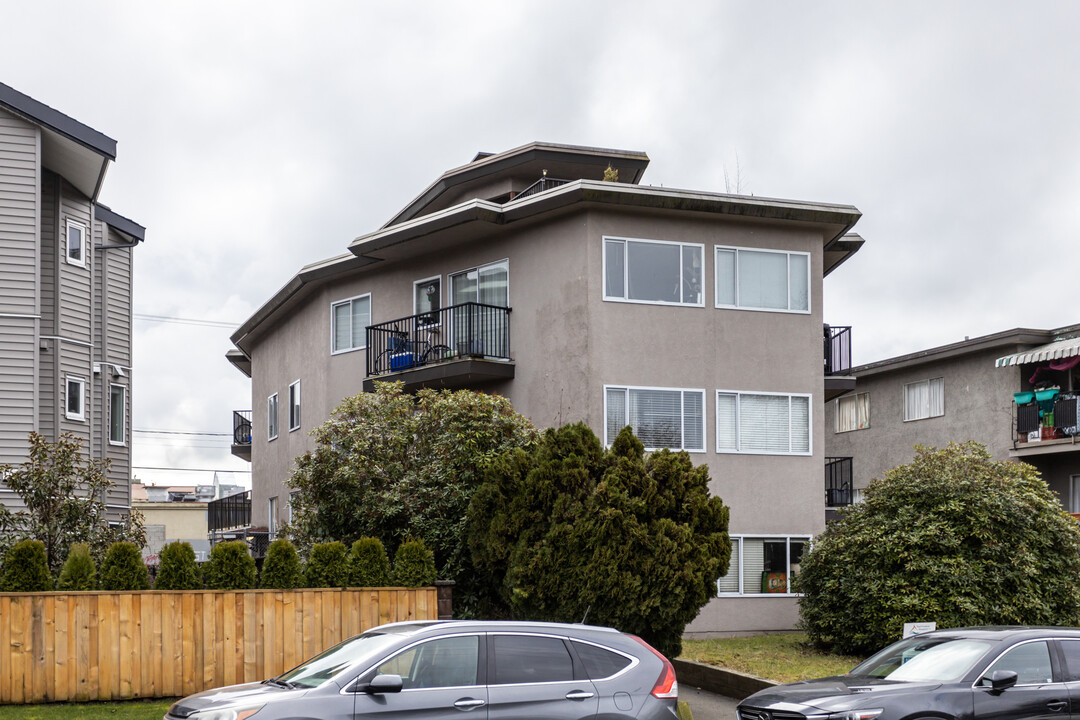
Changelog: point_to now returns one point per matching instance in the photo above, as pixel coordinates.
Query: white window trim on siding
(737, 306)
(271, 417)
(81, 262)
(627, 388)
(123, 415)
(738, 422)
(353, 347)
(81, 414)
(626, 270)
(294, 406)
(736, 563)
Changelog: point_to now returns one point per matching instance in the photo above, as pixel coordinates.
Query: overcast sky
(257, 137)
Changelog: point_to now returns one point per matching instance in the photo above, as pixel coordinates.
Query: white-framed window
(660, 417)
(271, 522)
(852, 412)
(117, 415)
(762, 423)
(427, 300)
(924, 399)
(294, 406)
(348, 323)
(75, 398)
(292, 502)
(774, 280)
(271, 417)
(763, 564)
(657, 272)
(75, 243)
(477, 330)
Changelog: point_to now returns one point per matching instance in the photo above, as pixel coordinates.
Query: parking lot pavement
(706, 705)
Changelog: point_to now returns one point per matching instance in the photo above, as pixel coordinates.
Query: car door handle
(1056, 705)
(468, 704)
(578, 695)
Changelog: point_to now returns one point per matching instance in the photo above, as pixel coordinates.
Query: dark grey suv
(435, 670)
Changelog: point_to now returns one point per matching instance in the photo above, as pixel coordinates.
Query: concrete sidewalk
(706, 705)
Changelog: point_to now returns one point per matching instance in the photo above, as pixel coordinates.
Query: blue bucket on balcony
(402, 361)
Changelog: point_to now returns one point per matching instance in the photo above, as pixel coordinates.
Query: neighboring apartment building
(694, 317)
(1012, 391)
(65, 292)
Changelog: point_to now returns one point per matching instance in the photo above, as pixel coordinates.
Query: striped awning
(1054, 351)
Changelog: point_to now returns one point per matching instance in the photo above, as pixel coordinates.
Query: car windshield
(925, 659)
(326, 665)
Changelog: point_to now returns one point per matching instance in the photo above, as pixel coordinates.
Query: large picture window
(763, 565)
(349, 320)
(924, 399)
(660, 417)
(653, 271)
(853, 412)
(762, 423)
(762, 280)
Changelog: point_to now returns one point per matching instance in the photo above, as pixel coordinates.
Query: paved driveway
(706, 705)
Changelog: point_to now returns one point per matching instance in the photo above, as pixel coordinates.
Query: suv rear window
(600, 663)
(530, 659)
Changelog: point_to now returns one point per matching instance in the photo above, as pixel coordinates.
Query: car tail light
(666, 687)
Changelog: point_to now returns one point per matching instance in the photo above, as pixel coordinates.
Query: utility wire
(181, 432)
(176, 469)
(185, 321)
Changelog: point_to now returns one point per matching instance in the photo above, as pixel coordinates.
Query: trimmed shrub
(177, 569)
(414, 564)
(230, 567)
(79, 571)
(281, 568)
(26, 568)
(368, 564)
(123, 568)
(953, 537)
(326, 566)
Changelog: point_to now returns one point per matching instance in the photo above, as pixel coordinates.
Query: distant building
(177, 513)
(65, 293)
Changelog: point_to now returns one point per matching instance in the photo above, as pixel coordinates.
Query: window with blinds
(762, 423)
(349, 320)
(653, 271)
(660, 417)
(853, 412)
(924, 399)
(762, 280)
(763, 565)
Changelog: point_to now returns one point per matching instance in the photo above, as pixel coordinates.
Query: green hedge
(177, 569)
(230, 567)
(414, 564)
(26, 568)
(368, 564)
(281, 569)
(123, 568)
(326, 566)
(79, 571)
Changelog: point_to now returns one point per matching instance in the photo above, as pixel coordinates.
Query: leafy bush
(230, 567)
(368, 564)
(26, 568)
(953, 537)
(79, 571)
(571, 529)
(281, 568)
(414, 565)
(393, 466)
(123, 568)
(326, 566)
(177, 569)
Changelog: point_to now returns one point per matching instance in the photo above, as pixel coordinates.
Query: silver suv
(435, 670)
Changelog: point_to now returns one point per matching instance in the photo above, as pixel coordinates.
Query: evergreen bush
(414, 564)
(177, 569)
(368, 564)
(26, 568)
(230, 567)
(123, 568)
(281, 568)
(326, 566)
(79, 571)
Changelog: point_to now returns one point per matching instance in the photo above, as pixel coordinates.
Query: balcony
(1045, 422)
(837, 362)
(458, 346)
(232, 512)
(839, 491)
(241, 434)
(542, 185)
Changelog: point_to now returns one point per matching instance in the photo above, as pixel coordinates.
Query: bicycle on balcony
(405, 353)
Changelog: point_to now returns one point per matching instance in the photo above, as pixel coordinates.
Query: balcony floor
(466, 372)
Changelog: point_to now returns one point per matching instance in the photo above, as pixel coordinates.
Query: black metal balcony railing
(459, 331)
(241, 427)
(1052, 417)
(232, 511)
(837, 350)
(838, 482)
(541, 185)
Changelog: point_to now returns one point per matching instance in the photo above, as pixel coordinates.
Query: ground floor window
(763, 565)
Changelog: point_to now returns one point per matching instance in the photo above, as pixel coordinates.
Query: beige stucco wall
(182, 521)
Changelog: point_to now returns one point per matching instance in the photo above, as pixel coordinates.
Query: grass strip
(786, 657)
(128, 710)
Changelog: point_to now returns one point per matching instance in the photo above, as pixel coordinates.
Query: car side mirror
(1001, 680)
(385, 684)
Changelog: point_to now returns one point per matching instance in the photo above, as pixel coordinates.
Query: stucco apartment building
(695, 317)
(1014, 391)
(65, 292)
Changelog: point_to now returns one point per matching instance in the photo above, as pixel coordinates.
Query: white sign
(912, 629)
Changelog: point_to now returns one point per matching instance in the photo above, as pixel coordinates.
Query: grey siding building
(695, 317)
(65, 292)
(981, 389)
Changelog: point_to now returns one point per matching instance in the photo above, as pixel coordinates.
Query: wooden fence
(58, 647)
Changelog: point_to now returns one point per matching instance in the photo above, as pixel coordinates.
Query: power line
(176, 469)
(182, 432)
(185, 321)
